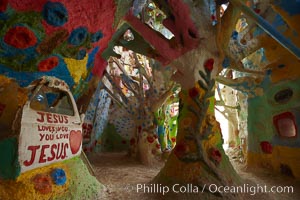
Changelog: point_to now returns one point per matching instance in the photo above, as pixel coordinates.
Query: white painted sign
(48, 137)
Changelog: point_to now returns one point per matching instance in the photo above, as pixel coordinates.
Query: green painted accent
(160, 116)
(9, 165)
(111, 140)
(211, 108)
(174, 125)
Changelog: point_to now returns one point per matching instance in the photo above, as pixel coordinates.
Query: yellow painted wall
(280, 155)
(24, 186)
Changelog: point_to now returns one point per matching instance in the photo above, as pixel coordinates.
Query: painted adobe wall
(266, 147)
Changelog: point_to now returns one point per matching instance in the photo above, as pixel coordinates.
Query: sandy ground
(121, 176)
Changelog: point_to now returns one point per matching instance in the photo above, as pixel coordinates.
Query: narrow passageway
(204, 95)
(121, 175)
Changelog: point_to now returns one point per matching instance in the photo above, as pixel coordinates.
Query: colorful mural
(268, 146)
(42, 145)
(55, 39)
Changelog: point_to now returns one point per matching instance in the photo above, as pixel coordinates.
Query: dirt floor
(121, 176)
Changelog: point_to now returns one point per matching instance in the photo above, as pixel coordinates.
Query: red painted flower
(173, 139)
(158, 146)
(48, 64)
(132, 141)
(3, 5)
(139, 129)
(215, 155)
(150, 139)
(266, 147)
(257, 10)
(20, 37)
(193, 92)
(209, 64)
(42, 183)
(181, 149)
(123, 141)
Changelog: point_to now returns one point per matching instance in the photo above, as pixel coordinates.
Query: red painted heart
(75, 140)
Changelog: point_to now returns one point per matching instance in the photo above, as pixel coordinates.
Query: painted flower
(42, 183)
(132, 141)
(59, 176)
(139, 129)
(234, 35)
(209, 64)
(95, 37)
(55, 13)
(150, 139)
(193, 92)
(181, 149)
(20, 37)
(215, 155)
(78, 36)
(266, 147)
(3, 5)
(158, 146)
(48, 64)
(173, 139)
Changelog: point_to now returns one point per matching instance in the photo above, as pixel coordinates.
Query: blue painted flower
(234, 35)
(95, 37)
(59, 176)
(55, 13)
(81, 54)
(78, 36)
